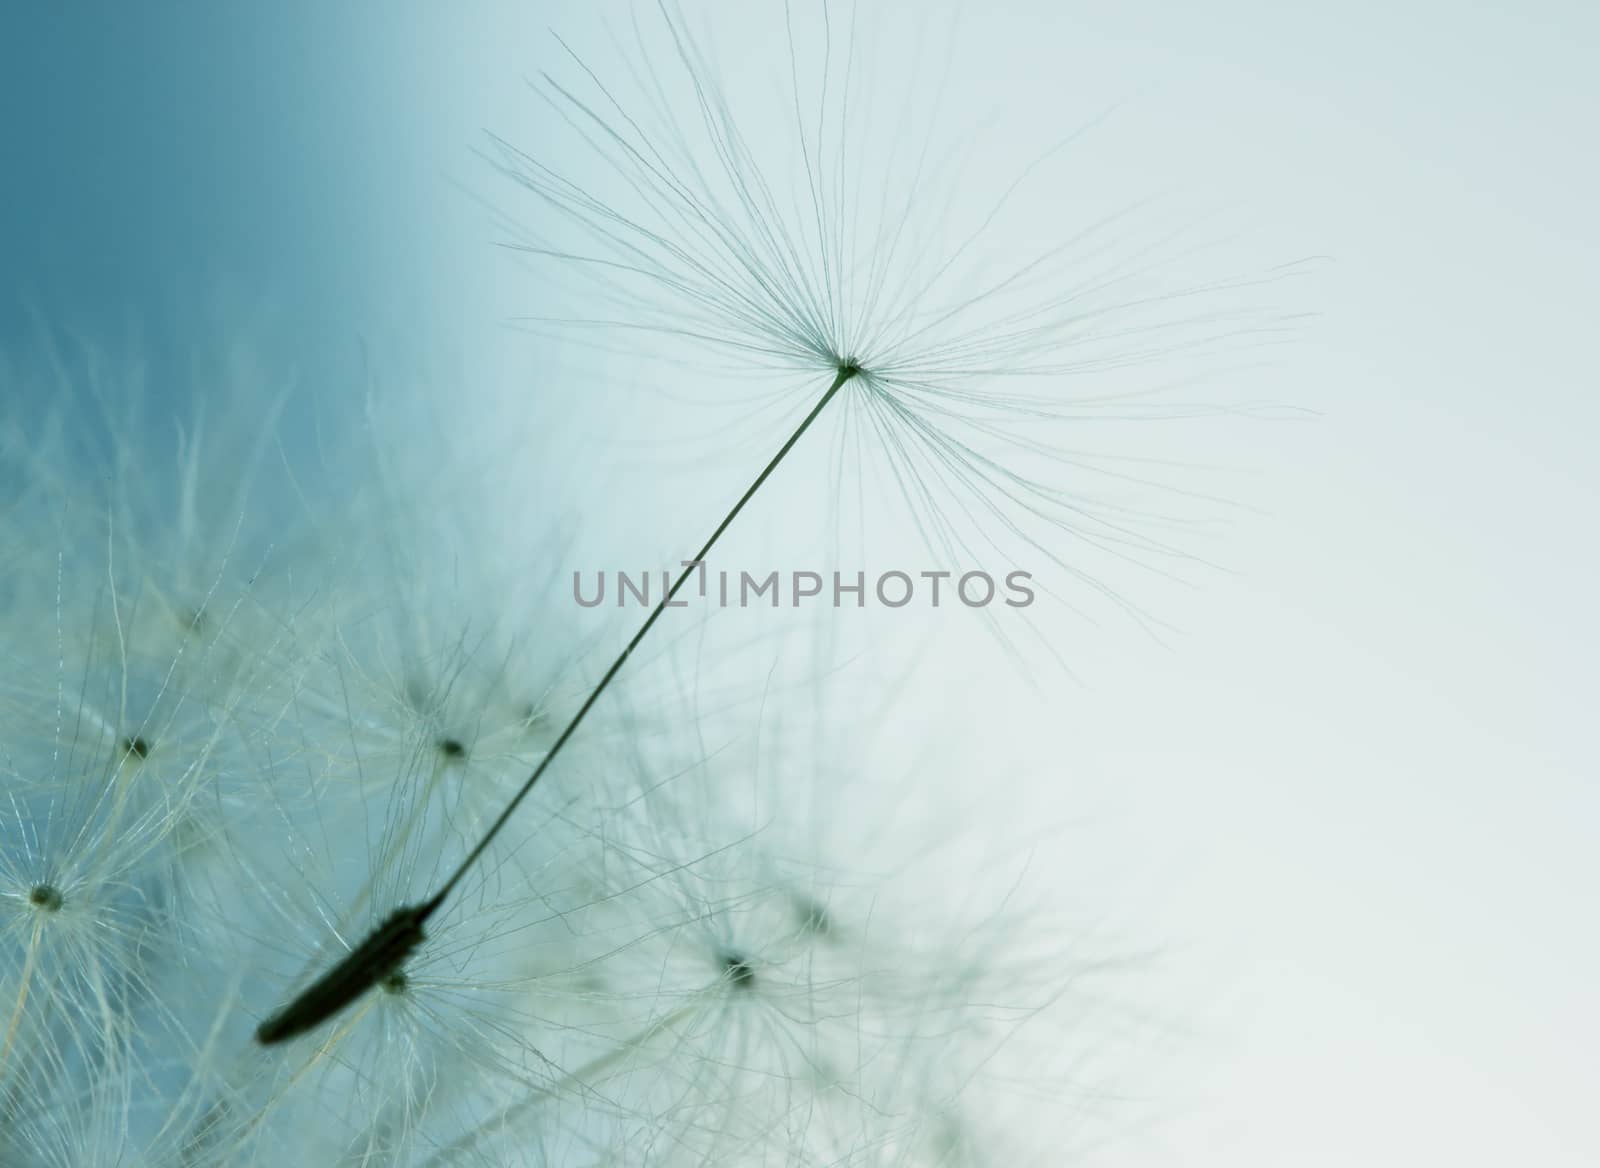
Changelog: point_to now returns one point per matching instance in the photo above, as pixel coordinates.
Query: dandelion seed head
(805, 224)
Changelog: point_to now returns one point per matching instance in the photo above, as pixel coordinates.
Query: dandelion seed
(787, 292)
(232, 775)
(351, 978)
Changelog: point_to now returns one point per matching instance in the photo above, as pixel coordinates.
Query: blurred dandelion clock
(236, 741)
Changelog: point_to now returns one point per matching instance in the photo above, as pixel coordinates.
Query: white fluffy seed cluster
(248, 708)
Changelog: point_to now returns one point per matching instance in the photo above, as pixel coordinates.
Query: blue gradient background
(160, 156)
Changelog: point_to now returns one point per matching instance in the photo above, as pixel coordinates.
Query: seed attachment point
(739, 971)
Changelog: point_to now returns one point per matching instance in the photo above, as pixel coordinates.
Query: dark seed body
(376, 958)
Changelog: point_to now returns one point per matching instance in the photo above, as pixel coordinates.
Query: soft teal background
(166, 159)
(1361, 788)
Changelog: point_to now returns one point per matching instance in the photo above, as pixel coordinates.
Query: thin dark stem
(363, 967)
(845, 373)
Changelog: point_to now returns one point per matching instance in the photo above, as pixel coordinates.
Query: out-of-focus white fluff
(255, 696)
